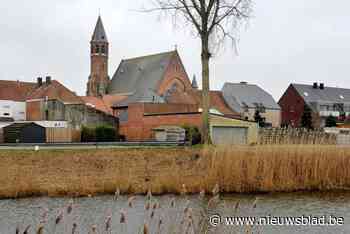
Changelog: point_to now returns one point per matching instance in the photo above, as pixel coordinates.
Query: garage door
(229, 135)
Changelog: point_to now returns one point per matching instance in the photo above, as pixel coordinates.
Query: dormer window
(306, 94)
(341, 96)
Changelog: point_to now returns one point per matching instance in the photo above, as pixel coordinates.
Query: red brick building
(322, 100)
(147, 91)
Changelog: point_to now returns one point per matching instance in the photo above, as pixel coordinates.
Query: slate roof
(15, 90)
(99, 32)
(147, 97)
(140, 75)
(239, 95)
(326, 95)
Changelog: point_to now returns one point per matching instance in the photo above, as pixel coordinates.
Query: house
(246, 99)
(322, 100)
(13, 99)
(48, 100)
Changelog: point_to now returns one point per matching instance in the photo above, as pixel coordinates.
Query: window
(306, 94)
(97, 49)
(6, 107)
(103, 49)
(6, 114)
(341, 96)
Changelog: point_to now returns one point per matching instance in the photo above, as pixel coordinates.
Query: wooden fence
(285, 136)
(62, 135)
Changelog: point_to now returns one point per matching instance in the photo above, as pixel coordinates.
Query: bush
(105, 133)
(102, 133)
(88, 134)
(193, 134)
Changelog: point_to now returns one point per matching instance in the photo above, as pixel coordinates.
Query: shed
(169, 133)
(24, 133)
(230, 131)
(2, 125)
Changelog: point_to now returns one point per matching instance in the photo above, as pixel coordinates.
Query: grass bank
(280, 168)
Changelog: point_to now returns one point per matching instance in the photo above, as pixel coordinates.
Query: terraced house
(323, 101)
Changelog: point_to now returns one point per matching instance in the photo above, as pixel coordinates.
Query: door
(223, 135)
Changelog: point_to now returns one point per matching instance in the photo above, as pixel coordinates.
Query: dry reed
(262, 168)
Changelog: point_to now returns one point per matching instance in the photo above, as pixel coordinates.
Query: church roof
(140, 75)
(99, 32)
(194, 83)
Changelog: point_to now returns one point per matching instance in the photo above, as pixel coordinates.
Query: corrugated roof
(99, 32)
(239, 95)
(326, 95)
(140, 75)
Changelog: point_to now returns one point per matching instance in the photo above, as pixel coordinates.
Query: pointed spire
(194, 82)
(99, 32)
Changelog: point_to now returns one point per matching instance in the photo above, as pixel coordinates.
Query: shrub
(101, 133)
(193, 134)
(105, 133)
(331, 121)
(88, 134)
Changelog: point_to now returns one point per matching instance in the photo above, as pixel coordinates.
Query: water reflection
(91, 211)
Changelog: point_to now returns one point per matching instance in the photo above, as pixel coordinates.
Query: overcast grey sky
(286, 41)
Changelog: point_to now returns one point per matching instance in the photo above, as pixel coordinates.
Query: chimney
(40, 81)
(48, 80)
(315, 85)
(322, 86)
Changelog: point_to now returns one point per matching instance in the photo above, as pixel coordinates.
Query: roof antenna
(99, 11)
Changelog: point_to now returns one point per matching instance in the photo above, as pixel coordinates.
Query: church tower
(98, 79)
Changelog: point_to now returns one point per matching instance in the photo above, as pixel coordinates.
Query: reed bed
(242, 169)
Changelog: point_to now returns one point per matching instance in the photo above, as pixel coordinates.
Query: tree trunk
(205, 91)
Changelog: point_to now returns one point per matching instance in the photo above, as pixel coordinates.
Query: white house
(13, 109)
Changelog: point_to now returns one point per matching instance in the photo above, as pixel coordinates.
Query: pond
(179, 214)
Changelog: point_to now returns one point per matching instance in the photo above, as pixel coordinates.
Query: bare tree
(213, 21)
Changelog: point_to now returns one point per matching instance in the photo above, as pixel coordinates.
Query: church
(147, 91)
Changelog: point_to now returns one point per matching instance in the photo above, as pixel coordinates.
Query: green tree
(213, 22)
(259, 119)
(306, 118)
(331, 121)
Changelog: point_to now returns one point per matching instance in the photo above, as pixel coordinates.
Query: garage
(231, 131)
(226, 135)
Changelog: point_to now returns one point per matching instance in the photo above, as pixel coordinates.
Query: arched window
(103, 49)
(97, 49)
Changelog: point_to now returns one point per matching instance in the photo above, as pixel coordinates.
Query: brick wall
(34, 110)
(175, 73)
(139, 126)
(292, 107)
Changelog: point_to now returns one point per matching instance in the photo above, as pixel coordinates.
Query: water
(94, 210)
